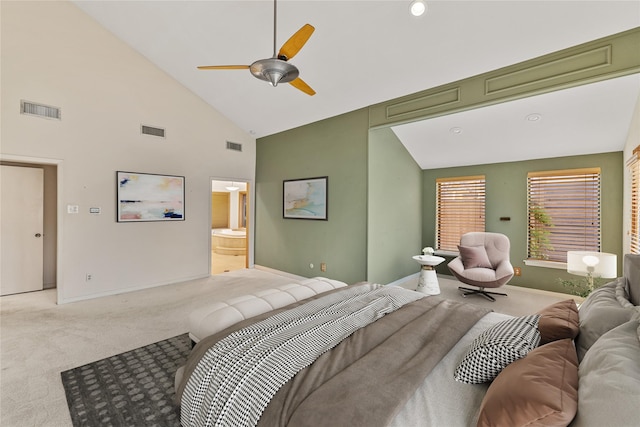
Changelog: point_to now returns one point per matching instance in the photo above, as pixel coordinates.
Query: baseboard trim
(127, 290)
(404, 279)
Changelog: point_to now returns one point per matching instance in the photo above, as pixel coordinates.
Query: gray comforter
(367, 378)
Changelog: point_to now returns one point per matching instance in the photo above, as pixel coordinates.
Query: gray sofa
(608, 347)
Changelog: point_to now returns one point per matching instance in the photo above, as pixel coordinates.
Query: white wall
(52, 53)
(633, 140)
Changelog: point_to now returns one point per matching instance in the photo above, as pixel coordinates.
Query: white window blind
(564, 213)
(460, 206)
(634, 230)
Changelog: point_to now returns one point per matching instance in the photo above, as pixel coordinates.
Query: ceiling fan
(276, 69)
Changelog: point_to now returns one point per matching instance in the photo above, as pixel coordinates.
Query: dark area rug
(135, 388)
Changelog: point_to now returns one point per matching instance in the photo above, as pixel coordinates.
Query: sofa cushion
(599, 313)
(540, 389)
(474, 257)
(631, 269)
(497, 347)
(622, 293)
(558, 321)
(610, 379)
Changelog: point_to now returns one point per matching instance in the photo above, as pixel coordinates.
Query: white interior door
(21, 225)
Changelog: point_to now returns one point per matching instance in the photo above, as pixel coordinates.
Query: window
(634, 230)
(564, 213)
(459, 209)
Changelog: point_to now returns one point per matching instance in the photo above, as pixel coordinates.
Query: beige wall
(54, 54)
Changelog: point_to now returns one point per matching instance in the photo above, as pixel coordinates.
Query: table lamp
(592, 264)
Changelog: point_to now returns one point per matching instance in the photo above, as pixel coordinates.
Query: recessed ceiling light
(455, 130)
(533, 117)
(418, 7)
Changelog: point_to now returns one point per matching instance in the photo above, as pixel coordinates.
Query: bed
(372, 355)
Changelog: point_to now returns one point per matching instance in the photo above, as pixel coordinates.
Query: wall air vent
(153, 131)
(40, 110)
(234, 146)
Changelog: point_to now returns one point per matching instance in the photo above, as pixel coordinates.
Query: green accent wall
(506, 196)
(395, 206)
(336, 148)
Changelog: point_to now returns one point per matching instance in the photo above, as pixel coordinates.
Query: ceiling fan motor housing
(274, 71)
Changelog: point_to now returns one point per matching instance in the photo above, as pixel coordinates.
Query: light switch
(73, 209)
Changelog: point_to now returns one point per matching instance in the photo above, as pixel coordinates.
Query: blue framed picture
(305, 198)
(149, 197)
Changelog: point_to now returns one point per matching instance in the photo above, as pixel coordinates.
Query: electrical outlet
(323, 266)
(88, 277)
(517, 271)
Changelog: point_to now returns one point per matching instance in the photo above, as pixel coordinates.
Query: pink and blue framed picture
(149, 197)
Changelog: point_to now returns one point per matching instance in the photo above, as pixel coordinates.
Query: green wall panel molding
(609, 57)
(506, 195)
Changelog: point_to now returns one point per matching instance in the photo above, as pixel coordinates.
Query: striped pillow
(498, 346)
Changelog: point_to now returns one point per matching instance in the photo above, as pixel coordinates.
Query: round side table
(428, 281)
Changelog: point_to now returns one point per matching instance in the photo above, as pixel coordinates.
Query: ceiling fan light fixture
(273, 77)
(274, 71)
(418, 7)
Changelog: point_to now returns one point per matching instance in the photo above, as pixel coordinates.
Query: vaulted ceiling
(366, 52)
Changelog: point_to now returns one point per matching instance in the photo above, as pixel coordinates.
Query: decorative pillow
(631, 270)
(558, 321)
(474, 257)
(610, 379)
(600, 313)
(498, 346)
(621, 293)
(540, 389)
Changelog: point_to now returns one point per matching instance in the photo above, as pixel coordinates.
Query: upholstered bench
(214, 317)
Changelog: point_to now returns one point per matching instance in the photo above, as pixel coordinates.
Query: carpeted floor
(40, 339)
(134, 389)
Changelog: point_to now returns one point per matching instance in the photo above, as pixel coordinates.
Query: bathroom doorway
(229, 226)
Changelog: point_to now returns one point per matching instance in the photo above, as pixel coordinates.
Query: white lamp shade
(604, 265)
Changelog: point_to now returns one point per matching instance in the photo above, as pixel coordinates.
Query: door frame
(59, 220)
(250, 214)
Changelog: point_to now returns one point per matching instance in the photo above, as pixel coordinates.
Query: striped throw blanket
(237, 377)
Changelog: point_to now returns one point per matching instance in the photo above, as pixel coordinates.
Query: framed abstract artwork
(149, 197)
(305, 198)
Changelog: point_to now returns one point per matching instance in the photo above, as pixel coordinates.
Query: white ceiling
(365, 52)
(587, 119)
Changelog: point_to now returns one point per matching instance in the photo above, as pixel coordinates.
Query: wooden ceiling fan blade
(295, 42)
(301, 85)
(223, 67)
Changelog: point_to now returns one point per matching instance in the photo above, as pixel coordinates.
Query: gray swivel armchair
(483, 262)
